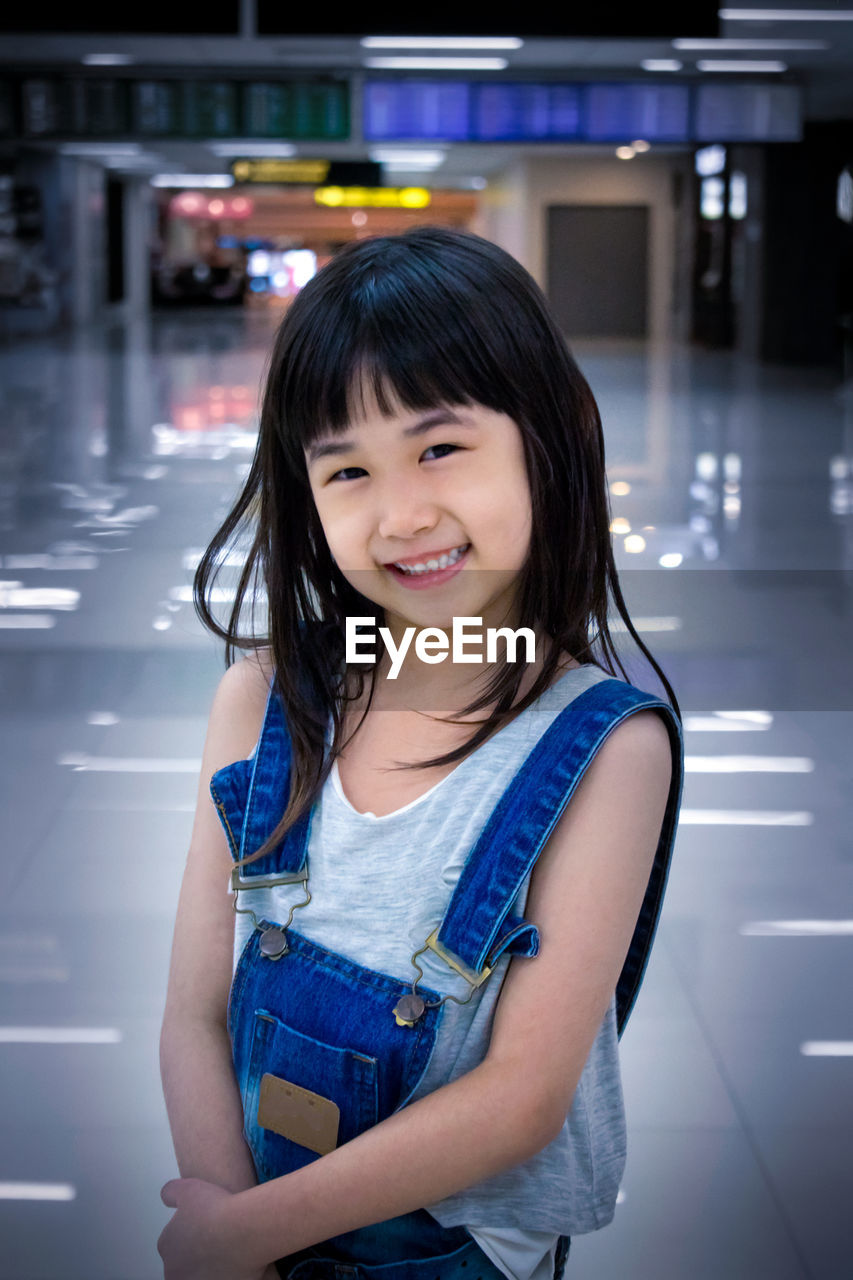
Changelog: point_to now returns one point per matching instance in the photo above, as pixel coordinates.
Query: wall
(503, 212)
(515, 215)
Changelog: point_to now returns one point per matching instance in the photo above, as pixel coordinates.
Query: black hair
(429, 318)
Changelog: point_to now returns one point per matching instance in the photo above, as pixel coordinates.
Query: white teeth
(430, 566)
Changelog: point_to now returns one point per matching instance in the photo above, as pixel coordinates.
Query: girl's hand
(199, 1242)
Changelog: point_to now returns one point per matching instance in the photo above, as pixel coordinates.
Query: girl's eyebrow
(336, 445)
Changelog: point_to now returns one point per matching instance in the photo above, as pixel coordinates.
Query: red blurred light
(188, 204)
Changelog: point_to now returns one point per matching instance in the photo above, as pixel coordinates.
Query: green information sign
(95, 106)
(308, 110)
(266, 110)
(98, 108)
(155, 108)
(209, 109)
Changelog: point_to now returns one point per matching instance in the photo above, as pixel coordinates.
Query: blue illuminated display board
(465, 111)
(526, 113)
(516, 111)
(748, 113)
(619, 112)
(423, 109)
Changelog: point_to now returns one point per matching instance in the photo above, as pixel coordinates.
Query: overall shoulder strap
(477, 926)
(250, 797)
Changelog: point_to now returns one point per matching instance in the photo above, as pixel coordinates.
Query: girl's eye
(431, 454)
(447, 448)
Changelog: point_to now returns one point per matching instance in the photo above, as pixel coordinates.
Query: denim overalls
(340, 1047)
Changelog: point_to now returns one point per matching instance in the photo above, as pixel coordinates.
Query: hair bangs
(403, 336)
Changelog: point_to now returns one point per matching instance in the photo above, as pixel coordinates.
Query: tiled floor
(118, 452)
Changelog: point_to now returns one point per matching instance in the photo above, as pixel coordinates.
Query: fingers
(169, 1192)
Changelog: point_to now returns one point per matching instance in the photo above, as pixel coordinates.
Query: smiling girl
(416, 910)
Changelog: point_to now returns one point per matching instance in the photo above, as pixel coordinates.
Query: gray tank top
(379, 886)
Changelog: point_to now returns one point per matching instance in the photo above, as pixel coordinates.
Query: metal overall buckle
(273, 940)
(410, 1007)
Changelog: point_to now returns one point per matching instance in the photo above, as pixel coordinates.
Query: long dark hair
(429, 318)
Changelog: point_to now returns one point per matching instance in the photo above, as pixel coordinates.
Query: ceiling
(818, 54)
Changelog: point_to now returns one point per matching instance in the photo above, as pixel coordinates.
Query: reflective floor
(119, 451)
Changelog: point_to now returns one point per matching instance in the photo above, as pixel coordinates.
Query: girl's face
(427, 512)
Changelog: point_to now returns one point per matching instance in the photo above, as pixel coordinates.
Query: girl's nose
(404, 512)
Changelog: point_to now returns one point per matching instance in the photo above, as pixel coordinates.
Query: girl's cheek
(345, 537)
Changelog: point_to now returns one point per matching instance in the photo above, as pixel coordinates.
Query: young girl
(446, 844)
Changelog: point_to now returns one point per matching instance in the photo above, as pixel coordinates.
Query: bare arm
(201, 1094)
(585, 896)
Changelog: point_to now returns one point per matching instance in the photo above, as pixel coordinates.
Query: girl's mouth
(431, 570)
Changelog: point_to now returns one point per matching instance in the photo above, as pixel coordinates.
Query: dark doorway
(598, 269)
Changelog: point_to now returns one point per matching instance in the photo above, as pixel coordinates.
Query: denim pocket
(346, 1077)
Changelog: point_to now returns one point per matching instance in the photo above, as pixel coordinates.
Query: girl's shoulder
(250, 676)
(237, 713)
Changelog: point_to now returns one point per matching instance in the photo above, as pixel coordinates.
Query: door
(598, 269)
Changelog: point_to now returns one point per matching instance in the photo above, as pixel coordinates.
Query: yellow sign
(270, 169)
(373, 197)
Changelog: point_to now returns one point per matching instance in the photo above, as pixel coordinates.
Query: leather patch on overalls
(298, 1114)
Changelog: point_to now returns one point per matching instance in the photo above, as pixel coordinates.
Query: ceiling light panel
(724, 64)
(763, 46)
(407, 158)
(441, 42)
(149, 162)
(436, 64)
(661, 64)
(194, 180)
(101, 149)
(246, 147)
(786, 15)
(107, 60)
